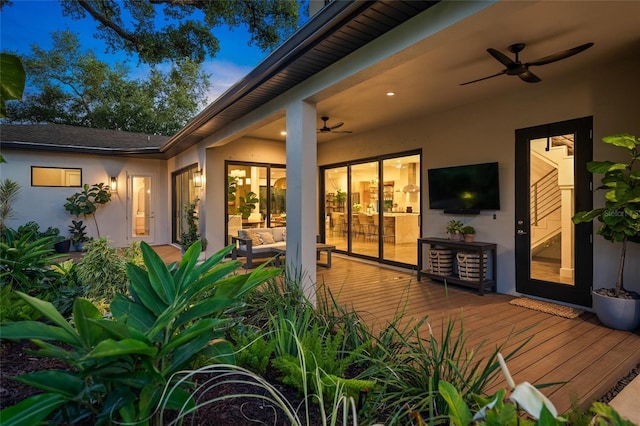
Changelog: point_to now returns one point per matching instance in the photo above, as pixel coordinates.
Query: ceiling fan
(515, 67)
(326, 129)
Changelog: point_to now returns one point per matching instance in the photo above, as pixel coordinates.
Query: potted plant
(468, 233)
(77, 234)
(192, 235)
(248, 203)
(86, 202)
(60, 244)
(620, 222)
(454, 228)
(341, 197)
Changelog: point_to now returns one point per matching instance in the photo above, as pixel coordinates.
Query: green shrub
(25, 263)
(121, 367)
(253, 349)
(13, 308)
(102, 271)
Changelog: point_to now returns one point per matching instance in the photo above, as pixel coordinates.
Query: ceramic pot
(63, 246)
(619, 314)
(468, 238)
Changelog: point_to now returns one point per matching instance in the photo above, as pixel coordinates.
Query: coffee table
(320, 247)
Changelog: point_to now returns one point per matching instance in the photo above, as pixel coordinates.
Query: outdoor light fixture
(197, 178)
(113, 187)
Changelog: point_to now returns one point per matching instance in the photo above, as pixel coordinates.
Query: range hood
(411, 177)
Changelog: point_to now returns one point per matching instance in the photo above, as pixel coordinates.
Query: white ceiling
(430, 80)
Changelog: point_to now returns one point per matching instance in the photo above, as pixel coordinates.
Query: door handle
(521, 232)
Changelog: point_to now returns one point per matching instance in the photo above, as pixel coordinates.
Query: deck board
(588, 357)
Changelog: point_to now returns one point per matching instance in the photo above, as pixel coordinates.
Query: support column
(302, 199)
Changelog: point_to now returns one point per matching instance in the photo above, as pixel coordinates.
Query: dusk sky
(28, 22)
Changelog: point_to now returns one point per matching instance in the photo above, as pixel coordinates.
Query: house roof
(339, 29)
(60, 137)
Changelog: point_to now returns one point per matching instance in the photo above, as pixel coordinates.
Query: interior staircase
(545, 193)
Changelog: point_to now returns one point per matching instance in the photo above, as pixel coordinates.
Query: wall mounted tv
(464, 189)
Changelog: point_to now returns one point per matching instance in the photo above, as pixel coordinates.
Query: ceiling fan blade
(484, 78)
(559, 56)
(504, 59)
(342, 131)
(337, 126)
(529, 77)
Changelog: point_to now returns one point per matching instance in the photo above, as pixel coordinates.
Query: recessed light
(283, 133)
(390, 93)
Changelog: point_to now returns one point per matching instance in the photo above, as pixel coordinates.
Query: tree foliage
(136, 26)
(74, 87)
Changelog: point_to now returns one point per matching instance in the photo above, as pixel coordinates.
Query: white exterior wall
(45, 205)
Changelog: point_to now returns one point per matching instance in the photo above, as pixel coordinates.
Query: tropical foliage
(121, 366)
(12, 80)
(87, 201)
(620, 216)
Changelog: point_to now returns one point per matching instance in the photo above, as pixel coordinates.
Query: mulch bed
(14, 361)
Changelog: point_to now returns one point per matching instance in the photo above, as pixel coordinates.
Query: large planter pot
(613, 312)
(63, 246)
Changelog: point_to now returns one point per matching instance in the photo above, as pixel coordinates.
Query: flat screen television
(464, 189)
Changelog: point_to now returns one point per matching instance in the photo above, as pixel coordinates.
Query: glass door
(184, 193)
(141, 210)
(401, 208)
(372, 208)
(552, 183)
(256, 196)
(365, 209)
(335, 206)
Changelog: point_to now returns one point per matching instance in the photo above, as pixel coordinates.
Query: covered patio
(584, 357)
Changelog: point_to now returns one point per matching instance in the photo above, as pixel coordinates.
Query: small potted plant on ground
(454, 228)
(77, 234)
(620, 222)
(60, 244)
(468, 232)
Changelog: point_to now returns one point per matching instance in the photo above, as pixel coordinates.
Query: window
(56, 176)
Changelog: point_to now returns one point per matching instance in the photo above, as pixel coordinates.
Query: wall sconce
(113, 187)
(197, 178)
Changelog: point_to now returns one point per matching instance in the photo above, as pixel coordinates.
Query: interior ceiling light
(283, 133)
(390, 93)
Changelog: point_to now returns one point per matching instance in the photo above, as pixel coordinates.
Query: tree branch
(110, 24)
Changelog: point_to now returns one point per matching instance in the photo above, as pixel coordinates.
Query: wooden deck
(588, 357)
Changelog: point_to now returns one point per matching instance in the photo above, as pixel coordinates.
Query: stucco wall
(45, 205)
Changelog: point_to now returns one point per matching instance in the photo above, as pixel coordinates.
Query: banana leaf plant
(125, 369)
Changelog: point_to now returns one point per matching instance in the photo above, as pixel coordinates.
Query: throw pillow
(266, 237)
(255, 239)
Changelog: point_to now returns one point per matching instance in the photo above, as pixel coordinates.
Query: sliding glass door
(372, 207)
(256, 196)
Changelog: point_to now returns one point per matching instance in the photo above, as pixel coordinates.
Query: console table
(479, 248)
